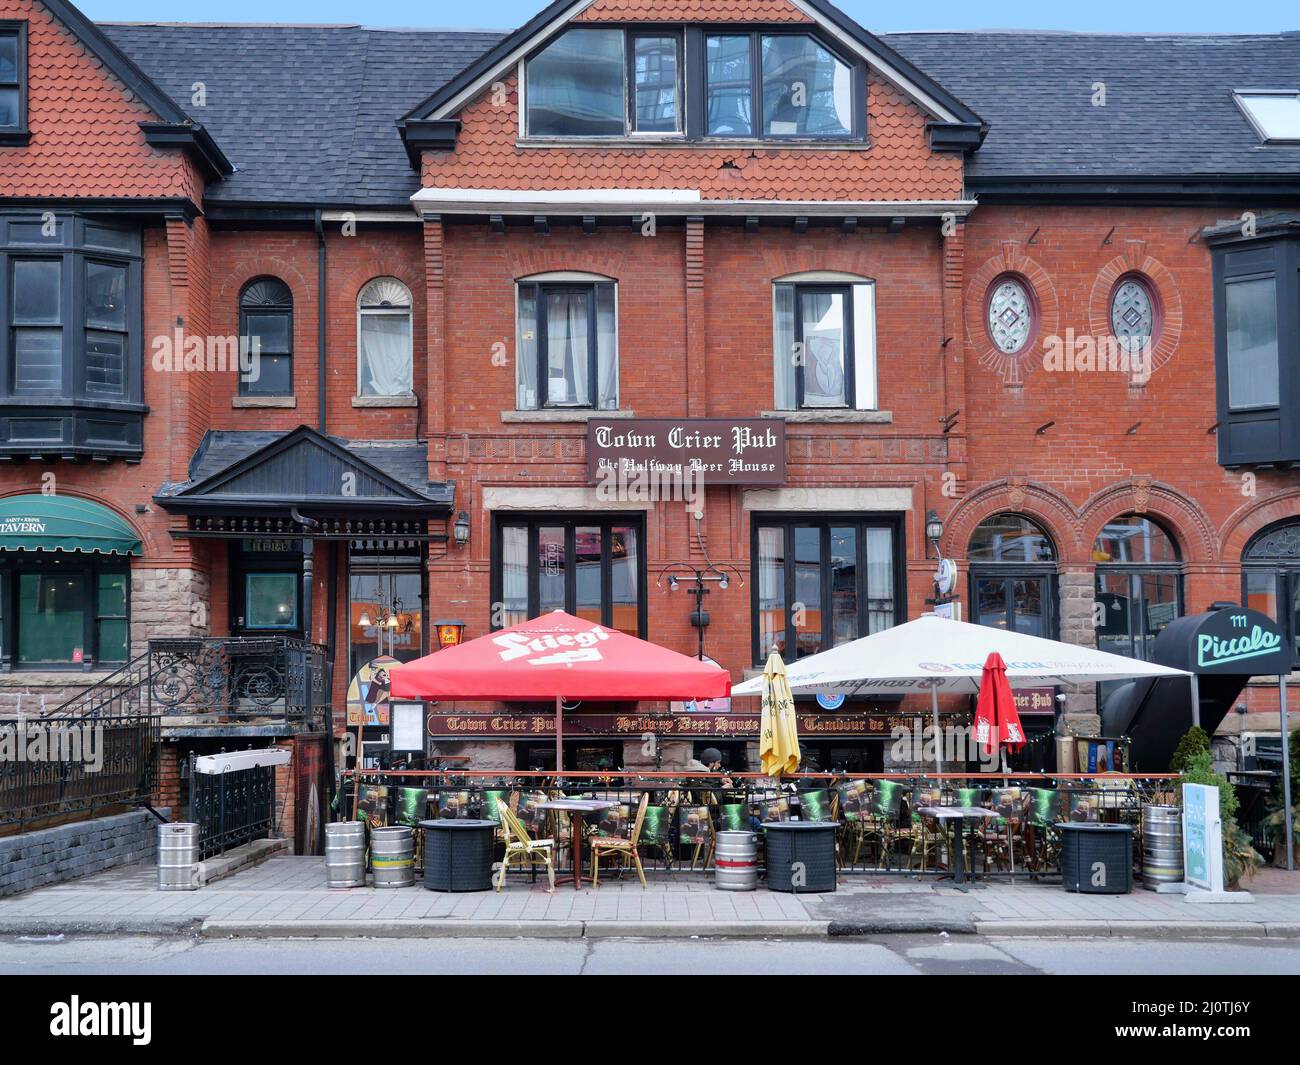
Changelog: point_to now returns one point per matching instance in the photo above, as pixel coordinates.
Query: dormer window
(692, 85)
(1275, 113)
(13, 82)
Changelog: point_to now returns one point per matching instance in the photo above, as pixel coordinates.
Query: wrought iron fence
(231, 676)
(880, 823)
(52, 767)
(231, 808)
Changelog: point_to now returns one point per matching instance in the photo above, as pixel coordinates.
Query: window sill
(385, 401)
(15, 138)
(833, 417)
(1271, 681)
(679, 141)
(45, 677)
(541, 417)
(264, 401)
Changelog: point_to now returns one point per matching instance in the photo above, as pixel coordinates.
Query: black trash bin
(800, 856)
(1096, 859)
(458, 854)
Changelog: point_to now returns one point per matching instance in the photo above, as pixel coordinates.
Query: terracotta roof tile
(86, 138)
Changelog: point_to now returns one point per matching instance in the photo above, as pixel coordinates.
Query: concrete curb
(1144, 929)
(100, 926)
(890, 926)
(415, 928)
(422, 928)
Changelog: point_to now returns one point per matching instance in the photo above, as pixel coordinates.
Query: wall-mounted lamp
(460, 530)
(450, 633)
(933, 530)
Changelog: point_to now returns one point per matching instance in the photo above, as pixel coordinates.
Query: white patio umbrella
(938, 655)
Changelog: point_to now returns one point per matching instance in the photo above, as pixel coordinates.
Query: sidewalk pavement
(287, 897)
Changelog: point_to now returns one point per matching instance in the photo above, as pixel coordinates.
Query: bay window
(567, 344)
(71, 361)
(1257, 340)
(822, 582)
(593, 568)
(13, 82)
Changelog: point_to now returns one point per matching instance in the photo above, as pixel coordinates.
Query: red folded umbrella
(559, 656)
(997, 721)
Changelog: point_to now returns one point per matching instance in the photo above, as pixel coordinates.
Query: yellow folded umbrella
(778, 746)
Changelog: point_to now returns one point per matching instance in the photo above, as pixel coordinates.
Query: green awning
(60, 523)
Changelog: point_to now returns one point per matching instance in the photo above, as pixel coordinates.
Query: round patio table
(576, 809)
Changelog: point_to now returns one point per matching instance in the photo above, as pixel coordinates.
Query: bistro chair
(1009, 804)
(1047, 807)
(522, 847)
(695, 828)
(657, 831)
(624, 846)
(860, 828)
(886, 806)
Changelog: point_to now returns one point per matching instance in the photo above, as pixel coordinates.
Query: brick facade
(1070, 450)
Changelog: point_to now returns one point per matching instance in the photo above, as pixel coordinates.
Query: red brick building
(906, 256)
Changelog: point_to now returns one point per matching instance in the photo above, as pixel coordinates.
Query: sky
(1121, 16)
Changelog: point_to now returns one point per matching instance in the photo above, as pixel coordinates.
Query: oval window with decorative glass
(1010, 315)
(1133, 314)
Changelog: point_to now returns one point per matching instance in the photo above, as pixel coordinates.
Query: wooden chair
(521, 846)
(624, 846)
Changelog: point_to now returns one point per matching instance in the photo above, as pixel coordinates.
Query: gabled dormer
(734, 94)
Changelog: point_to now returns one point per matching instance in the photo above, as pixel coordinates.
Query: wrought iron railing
(62, 766)
(879, 828)
(231, 808)
(229, 676)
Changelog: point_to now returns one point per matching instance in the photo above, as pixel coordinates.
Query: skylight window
(1275, 114)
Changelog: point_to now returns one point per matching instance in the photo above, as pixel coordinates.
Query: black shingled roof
(307, 113)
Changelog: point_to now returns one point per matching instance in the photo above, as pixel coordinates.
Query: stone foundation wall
(52, 855)
(168, 602)
(1078, 594)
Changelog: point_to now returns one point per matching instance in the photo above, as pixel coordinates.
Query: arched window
(1138, 584)
(266, 333)
(1013, 575)
(1009, 537)
(1010, 314)
(1270, 579)
(384, 364)
(1133, 313)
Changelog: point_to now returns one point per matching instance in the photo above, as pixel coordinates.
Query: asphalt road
(886, 955)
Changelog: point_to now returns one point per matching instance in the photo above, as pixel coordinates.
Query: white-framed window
(567, 341)
(384, 359)
(824, 342)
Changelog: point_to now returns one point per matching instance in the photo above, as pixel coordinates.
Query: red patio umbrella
(558, 656)
(997, 721)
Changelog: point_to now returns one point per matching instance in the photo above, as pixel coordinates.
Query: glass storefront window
(1270, 576)
(591, 568)
(820, 584)
(383, 587)
(51, 618)
(64, 610)
(1138, 589)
